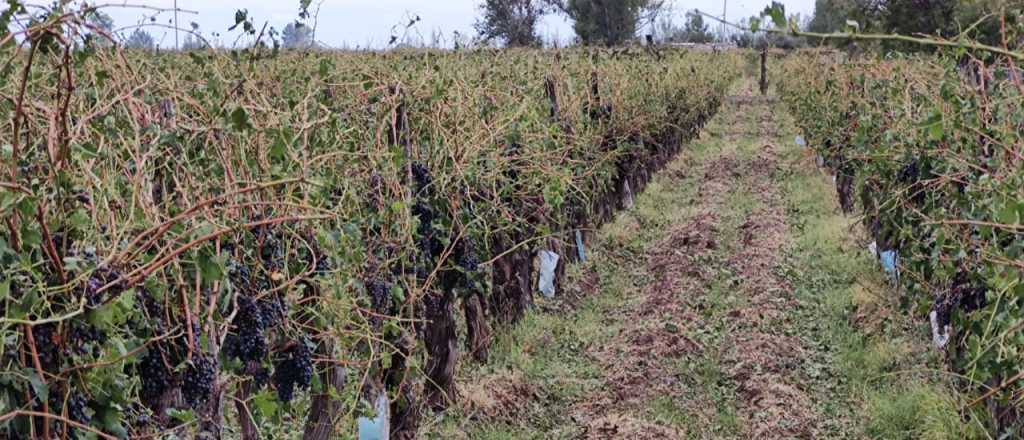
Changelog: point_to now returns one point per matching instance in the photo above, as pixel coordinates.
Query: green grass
(889, 380)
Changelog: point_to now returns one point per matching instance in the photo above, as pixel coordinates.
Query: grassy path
(731, 302)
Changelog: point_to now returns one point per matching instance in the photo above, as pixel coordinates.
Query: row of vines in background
(203, 244)
(930, 151)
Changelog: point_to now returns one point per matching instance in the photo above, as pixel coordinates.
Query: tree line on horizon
(612, 22)
(515, 23)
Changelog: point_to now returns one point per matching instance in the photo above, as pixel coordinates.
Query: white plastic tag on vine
(548, 265)
(873, 249)
(580, 249)
(376, 428)
(800, 141)
(890, 260)
(627, 197)
(939, 339)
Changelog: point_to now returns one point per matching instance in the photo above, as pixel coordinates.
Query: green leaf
(196, 58)
(38, 386)
(8, 199)
(397, 294)
(112, 314)
(266, 403)
(325, 67)
(278, 150)
(755, 24)
(1008, 215)
(240, 119)
(933, 126)
(936, 132)
(211, 266)
(30, 236)
(111, 420)
(182, 416)
(778, 14)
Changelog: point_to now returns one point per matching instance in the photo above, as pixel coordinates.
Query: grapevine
(181, 230)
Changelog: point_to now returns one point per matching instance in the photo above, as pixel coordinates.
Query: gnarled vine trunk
(478, 329)
(324, 408)
(441, 340)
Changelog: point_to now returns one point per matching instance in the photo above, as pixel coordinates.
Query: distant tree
(607, 22)
(140, 39)
(910, 17)
(831, 15)
(513, 22)
(695, 30)
(906, 17)
(988, 32)
(297, 35)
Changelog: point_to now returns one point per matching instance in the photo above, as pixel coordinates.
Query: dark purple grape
(421, 175)
(46, 339)
(273, 311)
(467, 258)
(293, 369)
(198, 380)
(246, 341)
(380, 296)
(76, 409)
(85, 338)
(154, 374)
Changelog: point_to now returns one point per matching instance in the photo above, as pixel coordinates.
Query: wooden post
(552, 95)
(551, 91)
(764, 70)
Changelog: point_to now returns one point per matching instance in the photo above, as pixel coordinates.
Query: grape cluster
(61, 241)
(246, 341)
(91, 291)
(76, 409)
(240, 274)
(469, 264)
(466, 257)
(99, 278)
(910, 173)
(273, 310)
(271, 249)
(155, 375)
(293, 369)
(421, 175)
(138, 417)
(380, 296)
(970, 296)
(198, 381)
(47, 343)
(428, 245)
(85, 338)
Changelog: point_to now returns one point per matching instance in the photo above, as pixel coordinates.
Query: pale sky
(370, 23)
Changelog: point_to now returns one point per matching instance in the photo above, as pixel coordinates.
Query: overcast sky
(371, 23)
